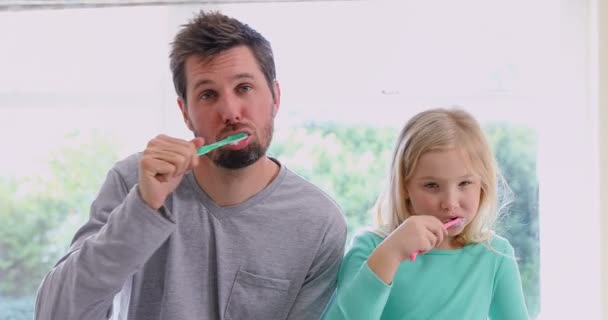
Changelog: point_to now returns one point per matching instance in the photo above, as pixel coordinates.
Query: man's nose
(230, 109)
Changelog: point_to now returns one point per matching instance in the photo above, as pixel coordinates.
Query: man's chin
(234, 165)
(235, 160)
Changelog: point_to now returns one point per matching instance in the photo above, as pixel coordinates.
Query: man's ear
(184, 109)
(277, 98)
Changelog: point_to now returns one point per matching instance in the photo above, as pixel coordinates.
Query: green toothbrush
(230, 139)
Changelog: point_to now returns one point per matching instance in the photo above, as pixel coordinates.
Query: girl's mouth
(456, 221)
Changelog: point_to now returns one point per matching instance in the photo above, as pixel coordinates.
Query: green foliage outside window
(39, 215)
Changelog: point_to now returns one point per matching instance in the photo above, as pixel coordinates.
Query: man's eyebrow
(202, 82)
(239, 76)
(243, 75)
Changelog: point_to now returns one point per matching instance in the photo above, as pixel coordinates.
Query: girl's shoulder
(367, 237)
(501, 243)
(497, 244)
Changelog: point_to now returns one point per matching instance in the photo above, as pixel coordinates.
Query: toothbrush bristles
(453, 222)
(237, 141)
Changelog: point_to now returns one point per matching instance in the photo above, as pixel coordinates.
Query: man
(229, 235)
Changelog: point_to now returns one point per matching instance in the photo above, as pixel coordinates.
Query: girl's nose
(449, 202)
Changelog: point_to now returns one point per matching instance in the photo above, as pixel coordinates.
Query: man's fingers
(155, 167)
(171, 140)
(180, 161)
(180, 153)
(198, 142)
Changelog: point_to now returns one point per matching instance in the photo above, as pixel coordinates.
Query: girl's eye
(465, 183)
(431, 185)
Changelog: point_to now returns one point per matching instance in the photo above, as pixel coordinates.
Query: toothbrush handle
(207, 148)
(414, 254)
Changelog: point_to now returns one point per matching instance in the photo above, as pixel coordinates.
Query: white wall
(602, 36)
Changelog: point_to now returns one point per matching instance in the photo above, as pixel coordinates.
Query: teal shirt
(478, 281)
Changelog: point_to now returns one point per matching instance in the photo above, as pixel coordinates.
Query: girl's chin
(454, 231)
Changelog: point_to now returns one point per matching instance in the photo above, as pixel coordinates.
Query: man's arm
(320, 281)
(121, 234)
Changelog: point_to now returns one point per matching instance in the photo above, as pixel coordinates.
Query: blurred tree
(39, 215)
(349, 163)
(515, 149)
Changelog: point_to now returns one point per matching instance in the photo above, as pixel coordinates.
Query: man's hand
(163, 165)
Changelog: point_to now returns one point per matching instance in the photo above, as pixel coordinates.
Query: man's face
(229, 94)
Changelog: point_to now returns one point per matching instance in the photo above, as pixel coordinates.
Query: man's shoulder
(128, 168)
(308, 191)
(309, 201)
(129, 162)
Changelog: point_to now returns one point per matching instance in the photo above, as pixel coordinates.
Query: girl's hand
(416, 233)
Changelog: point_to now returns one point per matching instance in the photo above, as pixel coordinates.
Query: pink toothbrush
(447, 225)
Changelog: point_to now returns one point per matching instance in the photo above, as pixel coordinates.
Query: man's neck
(232, 187)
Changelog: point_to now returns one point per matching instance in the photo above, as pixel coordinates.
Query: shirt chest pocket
(257, 297)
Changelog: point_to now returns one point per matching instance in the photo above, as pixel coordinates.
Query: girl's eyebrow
(466, 176)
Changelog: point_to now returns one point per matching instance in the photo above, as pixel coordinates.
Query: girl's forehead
(453, 162)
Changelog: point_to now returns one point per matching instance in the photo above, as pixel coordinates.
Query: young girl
(440, 204)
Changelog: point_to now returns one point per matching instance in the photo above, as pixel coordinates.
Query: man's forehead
(230, 65)
(236, 55)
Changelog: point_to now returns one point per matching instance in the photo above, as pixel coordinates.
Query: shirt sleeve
(120, 236)
(360, 294)
(508, 300)
(320, 282)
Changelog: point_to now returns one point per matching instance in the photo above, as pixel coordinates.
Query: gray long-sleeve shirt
(275, 256)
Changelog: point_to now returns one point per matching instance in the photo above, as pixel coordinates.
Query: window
(85, 92)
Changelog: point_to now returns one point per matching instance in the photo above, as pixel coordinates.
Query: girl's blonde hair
(436, 130)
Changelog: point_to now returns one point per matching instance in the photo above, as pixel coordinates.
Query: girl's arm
(368, 269)
(508, 300)
(384, 262)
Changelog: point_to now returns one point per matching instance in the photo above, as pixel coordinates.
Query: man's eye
(245, 88)
(206, 95)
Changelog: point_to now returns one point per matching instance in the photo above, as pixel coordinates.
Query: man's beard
(238, 159)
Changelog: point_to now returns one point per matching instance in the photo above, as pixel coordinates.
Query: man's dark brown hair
(210, 33)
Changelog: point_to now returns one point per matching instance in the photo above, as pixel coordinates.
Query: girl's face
(443, 185)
